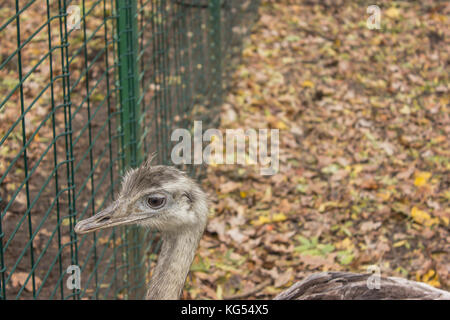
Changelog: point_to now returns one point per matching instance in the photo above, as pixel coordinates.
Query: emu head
(159, 197)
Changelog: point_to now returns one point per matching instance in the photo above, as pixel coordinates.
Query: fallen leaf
(18, 280)
(237, 235)
(392, 13)
(229, 186)
(369, 226)
(284, 278)
(307, 84)
(421, 178)
(423, 217)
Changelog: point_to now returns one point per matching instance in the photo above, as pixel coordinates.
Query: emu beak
(109, 217)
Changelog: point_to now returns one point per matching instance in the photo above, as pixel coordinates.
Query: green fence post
(127, 31)
(2, 263)
(215, 47)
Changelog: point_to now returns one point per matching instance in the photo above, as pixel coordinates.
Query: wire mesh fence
(87, 89)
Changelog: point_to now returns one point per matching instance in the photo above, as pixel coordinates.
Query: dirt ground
(364, 150)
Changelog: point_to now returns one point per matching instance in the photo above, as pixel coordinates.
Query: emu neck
(177, 252)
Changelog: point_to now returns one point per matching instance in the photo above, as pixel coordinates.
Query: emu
(166, 199)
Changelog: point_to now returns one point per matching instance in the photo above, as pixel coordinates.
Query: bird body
(354, 286)
(166, 199)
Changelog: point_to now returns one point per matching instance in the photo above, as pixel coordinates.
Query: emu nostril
(104, 219)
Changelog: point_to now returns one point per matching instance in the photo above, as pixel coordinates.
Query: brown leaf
(236, 235)
(217, 226)
(284, 206)
(319, 263)
(273, 273)
(369, 184)
(230, 186)
(369, 226)
(339, 175)
(18, 280)
(406, 174)
(267, 195)
(284, 278)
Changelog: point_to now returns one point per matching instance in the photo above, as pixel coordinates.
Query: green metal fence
(81, 103)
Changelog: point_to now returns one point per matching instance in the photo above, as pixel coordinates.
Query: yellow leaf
(438, 17)
(261, 220)
(307, 84)
(421, 178)
(219, 292)
(418, 277)
(392, 13)
(428, 275)
(423, 217)
(278, 217)
(243, 194)
(431, 278)
(444, 101)
(280, 125)
(327, 205)
(345, 244)
(400, 243)
(248, 52)
(337, 43)
(384, 195)
(355, 169)
(434, 282)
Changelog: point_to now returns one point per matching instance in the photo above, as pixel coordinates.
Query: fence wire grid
(82, 102)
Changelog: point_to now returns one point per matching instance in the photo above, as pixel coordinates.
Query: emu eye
(156, 202)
